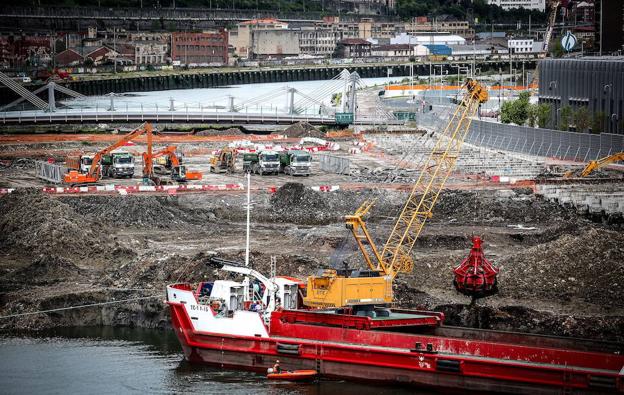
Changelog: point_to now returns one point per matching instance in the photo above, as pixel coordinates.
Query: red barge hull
(457, 359)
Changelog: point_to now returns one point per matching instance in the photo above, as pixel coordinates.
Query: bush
(543, 114)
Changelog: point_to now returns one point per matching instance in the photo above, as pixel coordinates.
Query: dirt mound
(219, 132)
(294, 202)
(34, 224)
(588, 267)
(508, 206)
(46, 269)
(303, 129)
(138, 211)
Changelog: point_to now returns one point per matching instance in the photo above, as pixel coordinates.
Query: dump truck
(263, 162)
(295, 163)
(118, 165)
(81, 163)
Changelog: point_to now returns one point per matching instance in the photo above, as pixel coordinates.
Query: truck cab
(118, 164)
(268, 163)
(295, 163)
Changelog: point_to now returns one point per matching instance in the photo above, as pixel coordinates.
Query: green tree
(543, 114)
(598, 122)
(565, 116)
(556, 49)
(532, 115)
(581, 119)
(516, 111)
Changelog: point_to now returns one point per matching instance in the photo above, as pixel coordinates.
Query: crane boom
(335, 289)
(433, 175)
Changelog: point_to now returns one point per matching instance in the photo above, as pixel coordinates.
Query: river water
(120, 360)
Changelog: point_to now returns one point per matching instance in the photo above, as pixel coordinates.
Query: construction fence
(335, 164)
(539, 142)
(50, 172)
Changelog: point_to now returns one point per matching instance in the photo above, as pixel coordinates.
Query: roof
(392, 47)
(354, 41)
(84, 51)
(264, 21)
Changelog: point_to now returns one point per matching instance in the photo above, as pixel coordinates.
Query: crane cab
(333, 288)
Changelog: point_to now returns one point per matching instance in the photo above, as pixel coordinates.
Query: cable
(78, 307)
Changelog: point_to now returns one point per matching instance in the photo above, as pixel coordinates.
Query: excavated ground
(560, 273)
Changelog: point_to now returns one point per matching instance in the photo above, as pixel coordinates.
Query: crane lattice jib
(433, 175)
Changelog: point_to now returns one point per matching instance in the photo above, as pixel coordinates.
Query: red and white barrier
(132, 189)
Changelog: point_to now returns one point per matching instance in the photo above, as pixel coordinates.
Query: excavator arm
(93, 175)
(594, 165)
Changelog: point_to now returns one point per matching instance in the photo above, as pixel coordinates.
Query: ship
(341, 322)
(405, 347)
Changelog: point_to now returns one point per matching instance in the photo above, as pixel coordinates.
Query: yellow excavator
(365, 288)
(595, 165)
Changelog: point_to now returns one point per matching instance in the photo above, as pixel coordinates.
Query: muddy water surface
(120, 361)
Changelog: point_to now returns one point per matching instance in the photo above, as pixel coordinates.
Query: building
(241, 37)
(23, 50)
(149, 52)
(318, 41)
(200, 48)
(421, 25)
(432, 49)
(439, 39)
(274, 44)
(81, 55)
(596, 83)
(539, 5)
(353, 48)
(609, 26)
(520, 45)
(392, 50)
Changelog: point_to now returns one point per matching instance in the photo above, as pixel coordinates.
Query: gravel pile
(33, 224)
(303, 129)
(219, 132)
(46, 269)
(138, 211)
(589, 267)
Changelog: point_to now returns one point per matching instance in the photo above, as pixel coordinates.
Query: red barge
(410, 347)
(348, 330)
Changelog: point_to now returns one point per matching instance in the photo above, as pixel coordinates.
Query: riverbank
(73, 251)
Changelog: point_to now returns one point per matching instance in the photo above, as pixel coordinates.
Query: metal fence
(335, 164)
(531, 141)
(50, 172)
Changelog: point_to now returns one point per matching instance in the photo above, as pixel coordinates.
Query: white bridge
(332, 102)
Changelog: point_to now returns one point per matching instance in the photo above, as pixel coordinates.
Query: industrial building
(592, 82)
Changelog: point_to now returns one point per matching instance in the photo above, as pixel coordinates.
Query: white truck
(266, 162)
(295, 163)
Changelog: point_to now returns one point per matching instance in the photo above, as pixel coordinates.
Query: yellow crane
(596, 164)
(339, 288)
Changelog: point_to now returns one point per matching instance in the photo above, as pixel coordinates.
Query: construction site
(553, 234)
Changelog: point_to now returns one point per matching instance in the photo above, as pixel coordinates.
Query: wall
(540, 142)
(597, 83)
(275, 43)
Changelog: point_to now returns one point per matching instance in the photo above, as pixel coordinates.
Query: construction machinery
(117, 165)
(476, 276)
(595, 165)
(361, 290)
(94, 174)
(172, 165)
(295, 163)
(224, 161)
(263, 162)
